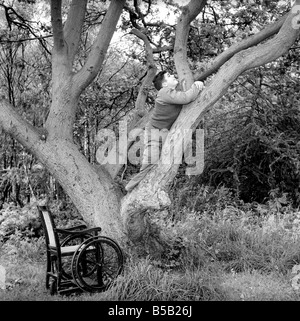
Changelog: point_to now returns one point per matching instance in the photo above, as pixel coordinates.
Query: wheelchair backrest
(49, 226)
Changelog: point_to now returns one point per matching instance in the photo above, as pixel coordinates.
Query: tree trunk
(90, 189)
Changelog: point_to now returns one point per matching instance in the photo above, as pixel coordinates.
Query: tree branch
(97, 54)
(161, 49)
(73, 26)
(12, 123)
(267, 32)
(189, 13)
(57, 26)
(147, 82)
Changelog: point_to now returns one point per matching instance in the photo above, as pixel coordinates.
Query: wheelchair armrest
(79, 232)
(73, 228)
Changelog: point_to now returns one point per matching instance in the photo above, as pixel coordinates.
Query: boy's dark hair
(158, 79)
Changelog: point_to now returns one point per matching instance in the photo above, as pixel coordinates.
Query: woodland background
(238, 222)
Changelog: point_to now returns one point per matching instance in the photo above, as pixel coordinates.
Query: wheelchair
(78, 258)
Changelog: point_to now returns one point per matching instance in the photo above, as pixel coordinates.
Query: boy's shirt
(168, 105)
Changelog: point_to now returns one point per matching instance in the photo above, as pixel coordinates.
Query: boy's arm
(171, 96)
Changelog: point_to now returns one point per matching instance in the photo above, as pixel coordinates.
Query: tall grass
(226, 251)
(144, 281)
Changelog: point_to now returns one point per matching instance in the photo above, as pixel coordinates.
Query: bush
(252, 136)
(14, 220)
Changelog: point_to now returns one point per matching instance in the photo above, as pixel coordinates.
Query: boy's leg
(151, 150)
(137, 178)
(154, 139)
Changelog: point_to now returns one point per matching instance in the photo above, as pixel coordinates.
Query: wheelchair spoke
(98, 264)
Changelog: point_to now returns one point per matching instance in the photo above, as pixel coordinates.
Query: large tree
(92, 188)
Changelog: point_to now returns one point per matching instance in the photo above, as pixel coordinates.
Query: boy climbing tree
(168, 104)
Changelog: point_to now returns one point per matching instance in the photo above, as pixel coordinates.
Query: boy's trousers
(154, 139)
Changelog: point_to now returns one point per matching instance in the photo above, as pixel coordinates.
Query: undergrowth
(226, 251)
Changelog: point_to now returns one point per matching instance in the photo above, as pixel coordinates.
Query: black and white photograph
(149, 155)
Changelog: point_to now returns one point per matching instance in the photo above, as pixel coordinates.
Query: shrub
(252, 136)
(14, 219)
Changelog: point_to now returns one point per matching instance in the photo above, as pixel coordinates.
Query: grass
(258, 286)
(230, 253)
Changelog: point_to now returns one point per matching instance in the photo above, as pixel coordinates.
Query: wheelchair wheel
(96, 263)
(66, 261)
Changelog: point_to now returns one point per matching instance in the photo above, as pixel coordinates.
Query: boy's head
(163, 79)
(159, 80)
